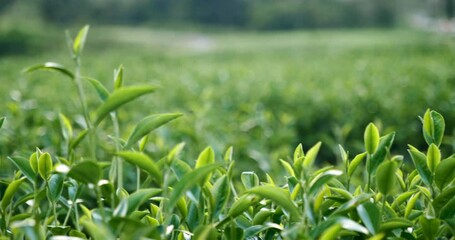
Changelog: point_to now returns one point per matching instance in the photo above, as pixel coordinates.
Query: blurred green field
(262, 92)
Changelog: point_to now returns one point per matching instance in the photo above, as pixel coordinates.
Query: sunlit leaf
(51, 66)
(371, 138)
(100, 89)
(385, 177)
(9, 193)
(79, 41)
(143, 162)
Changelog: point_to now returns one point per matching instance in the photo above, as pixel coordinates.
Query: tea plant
(91, 195)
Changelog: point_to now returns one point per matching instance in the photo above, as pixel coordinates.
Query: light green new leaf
(143, 162)
(242, 204)
(331, 233)
(147, 125)
(45, 165)
(120, 97)
(118, 77)
(395, 223)
(311, 155)
(206, 157)
(433, 127)
(249, 179)
(79, 41)
(298, 152)
(203, 232)
(97, 231)
(9, 193)
(370, 215)
(288, 168)
(190, 180)
(23, 165)
(433, 157)
(280, 196)
(445, 173)
(371, 138)
(86, 172)
(411, 203)
(322, 179)
(420, 162)
(100, 89)
(51, 66)
(385, 177)
(385, 143)
(355, 163)
(65, 125)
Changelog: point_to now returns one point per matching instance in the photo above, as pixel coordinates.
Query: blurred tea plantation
(262, 92)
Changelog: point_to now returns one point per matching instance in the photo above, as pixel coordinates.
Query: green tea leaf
(311, 155)
(118, 98)
(395, 223)
(420, 162)
(242, 204)
(65, 125)
(371, 138)
(79, 41)
(445, 173)
(100, 89)
(448, 211)
(411, 203)
(249, 179)
(9, 193)
(331, 233)
(256, 229)
(385, 143)
(51, 66)
(45, 165)
(78, 139)
(280, 197)
(322, 179)
(370, 215)
(118, 77)
(190, 180)
(86, 172)
(288, 168)
(430, 227)
(143, 162)
(203, 232)
(23, 165)
(355, 163)
(262, 215)
(2, 120)
(433, 157)
(97, 231)
(136, 199)
(385, 177)
(147, 125)
(55, 187)
(439, 127)
(207, 156)
(443, 198)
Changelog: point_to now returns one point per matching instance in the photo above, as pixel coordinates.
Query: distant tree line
(256, 14)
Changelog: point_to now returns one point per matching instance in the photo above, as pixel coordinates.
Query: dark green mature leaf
(385, 177)
(79, 41)
(55, 187)
(119, 97)
(51, 66)
(221, 193)
(256, 229)
(378, 157)
(190, 180)
(370, 215)
(445, 173)
(100, 89)
(86, 172)
(9, 193)
(420, 162)
(2, 120)
(143, 162)
(280, 196)
(443, 198)
(433, 157)
(23, 165)
(147, 125)
(136, 199)
(45, 165)
(371, 138)
(430, 227)
(448, 211)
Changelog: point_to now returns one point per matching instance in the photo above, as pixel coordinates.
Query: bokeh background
(260, 75)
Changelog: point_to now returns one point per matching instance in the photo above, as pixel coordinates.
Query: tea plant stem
(368, 173)
(118, 161)
(80, 90)
(100, 201)
(383, 204)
